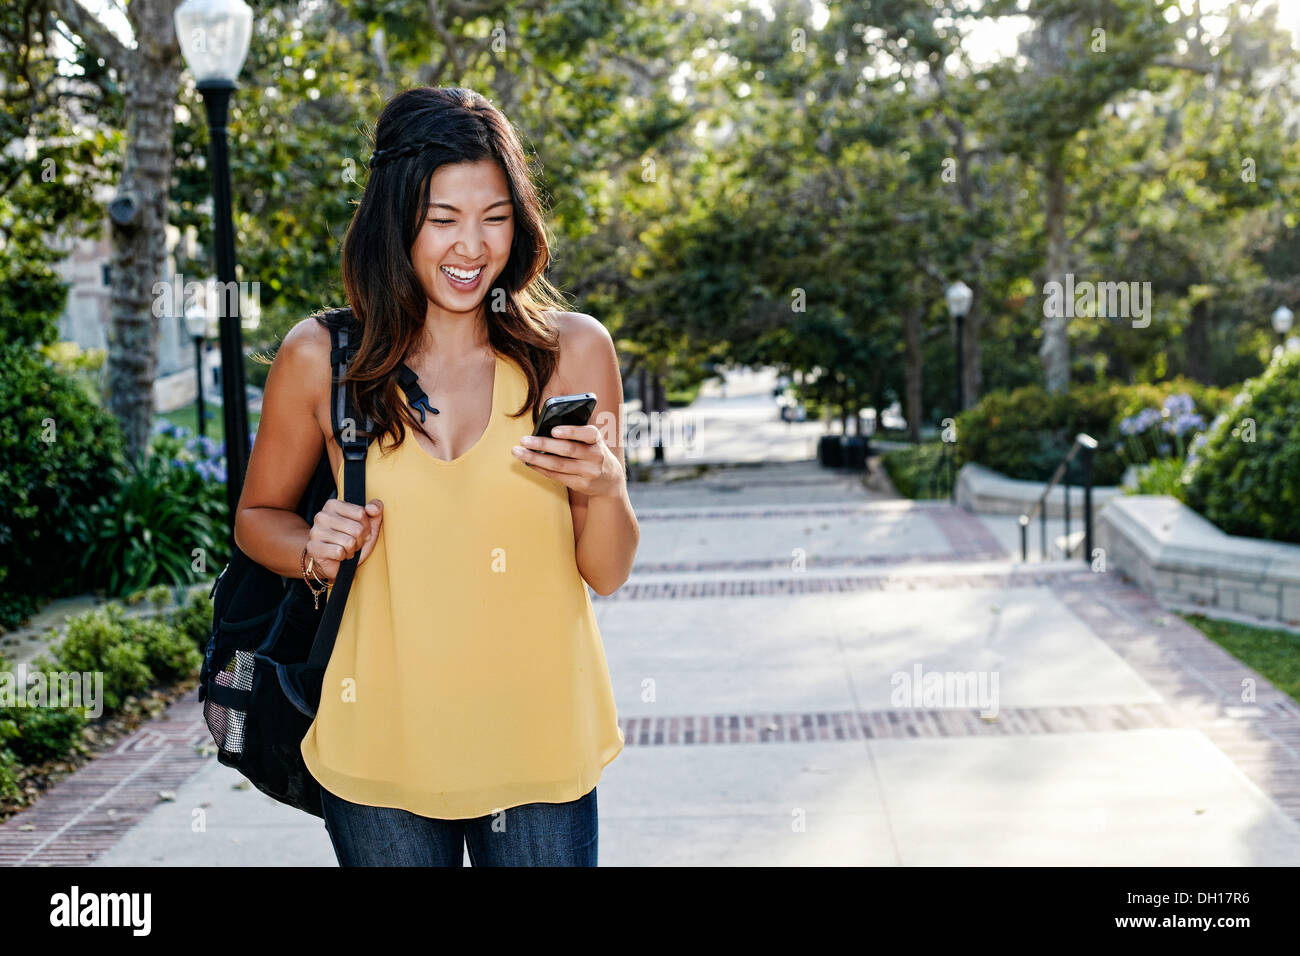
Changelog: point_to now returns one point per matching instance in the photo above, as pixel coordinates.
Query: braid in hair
(397, 152)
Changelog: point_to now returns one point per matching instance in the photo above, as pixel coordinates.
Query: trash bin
(829, 453)
(853, 452)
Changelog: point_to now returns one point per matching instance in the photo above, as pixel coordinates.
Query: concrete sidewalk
(761, 657)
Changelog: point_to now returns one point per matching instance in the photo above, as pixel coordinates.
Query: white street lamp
(214, 36)
(1282, 319)
(959, 298)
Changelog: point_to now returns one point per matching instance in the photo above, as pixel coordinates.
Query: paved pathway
(761, 655)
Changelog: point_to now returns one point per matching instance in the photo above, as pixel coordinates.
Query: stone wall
(1182, 559)
(985, 491)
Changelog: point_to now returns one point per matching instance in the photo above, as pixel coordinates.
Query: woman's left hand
(577, 457)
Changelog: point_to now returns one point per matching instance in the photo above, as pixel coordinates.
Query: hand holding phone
(572, 466)
(565, 410)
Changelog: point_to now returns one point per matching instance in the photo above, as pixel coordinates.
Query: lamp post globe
(214, 37)
(1282, 319)
(959, 296)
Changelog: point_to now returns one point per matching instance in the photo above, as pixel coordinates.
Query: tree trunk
(139, 220)
(1055, 348)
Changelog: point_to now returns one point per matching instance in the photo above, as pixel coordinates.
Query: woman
(468, 698)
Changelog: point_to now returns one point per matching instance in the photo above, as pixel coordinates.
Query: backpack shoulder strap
(343, 417)
(342, 351)
(343, 412)
(409, 382)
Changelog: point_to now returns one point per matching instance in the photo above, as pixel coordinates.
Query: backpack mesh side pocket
(226, 723)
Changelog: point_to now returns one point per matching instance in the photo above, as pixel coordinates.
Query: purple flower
(1140, 422)
(1179, 404)
(1188, 422)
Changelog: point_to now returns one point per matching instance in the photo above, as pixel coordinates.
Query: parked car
(791, 409)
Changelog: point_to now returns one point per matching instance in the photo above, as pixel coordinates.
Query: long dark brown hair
(420, 130)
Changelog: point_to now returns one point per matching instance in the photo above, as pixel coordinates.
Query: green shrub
(1244, 474)
(44, 733)
(194, 619)
(169, 653)
(159, 595)
(8, 759)
(103, 640)
(1209, 399)
(1026, 432)
(35, 734)
(57, 449)
(134, 653)
(913, 470)
(1163, 476)
(8, 774)
(146, 530)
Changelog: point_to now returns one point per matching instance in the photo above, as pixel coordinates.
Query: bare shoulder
(580, 331)
(586, 350)
(304, 359)
(307, 339)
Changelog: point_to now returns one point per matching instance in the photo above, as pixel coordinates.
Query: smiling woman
(468, 677)
(460, 250)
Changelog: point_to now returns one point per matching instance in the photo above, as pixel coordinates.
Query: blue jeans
(534, 834)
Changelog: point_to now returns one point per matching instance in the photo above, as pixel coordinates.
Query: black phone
(565, 410)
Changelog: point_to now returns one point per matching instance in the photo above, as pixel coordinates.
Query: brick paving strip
(1200, 683)
(750, 512)
(816, 563)
(90, 810)
(751, 728)
(818, 584)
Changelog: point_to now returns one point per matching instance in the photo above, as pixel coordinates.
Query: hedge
(1026, 432)
(1244, 474)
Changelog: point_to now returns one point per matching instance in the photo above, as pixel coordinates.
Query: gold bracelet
(315, 592)
(311, 569)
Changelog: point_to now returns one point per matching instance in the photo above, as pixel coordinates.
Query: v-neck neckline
(492, 417)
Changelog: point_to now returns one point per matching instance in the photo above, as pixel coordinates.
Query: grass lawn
(1273, 653)
(188, 416)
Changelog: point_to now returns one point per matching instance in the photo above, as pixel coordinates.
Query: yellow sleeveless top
(468, 675)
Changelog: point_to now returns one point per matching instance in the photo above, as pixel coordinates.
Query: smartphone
(565, 410)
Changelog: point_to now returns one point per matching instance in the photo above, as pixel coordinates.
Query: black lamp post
(959, 298)
(196, 323)
(1282, 319)
(213, 36)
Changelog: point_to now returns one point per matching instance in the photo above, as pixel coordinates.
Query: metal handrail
(1087, 444)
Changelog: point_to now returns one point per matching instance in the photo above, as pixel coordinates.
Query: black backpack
(269, 645)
